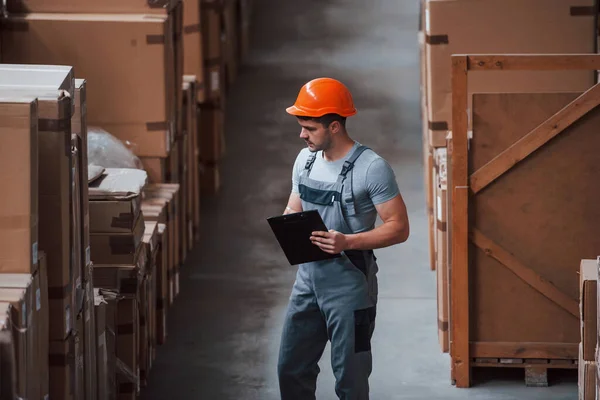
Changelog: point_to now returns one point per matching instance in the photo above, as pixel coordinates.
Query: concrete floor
(224, 328)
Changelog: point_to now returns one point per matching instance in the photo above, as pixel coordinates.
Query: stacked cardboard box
(191, 165)
(8, 354)
(21, 291)
(588, 306)
(158, 212)
(211, 119)
(138, 99)
(104, 369)
(91, 277)
(61, 191)
(167, 196)
(117, 230)
(148, 300)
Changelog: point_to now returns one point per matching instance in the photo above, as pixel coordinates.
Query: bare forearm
(387, 234)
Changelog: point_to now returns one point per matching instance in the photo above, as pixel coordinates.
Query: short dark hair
(327, 119)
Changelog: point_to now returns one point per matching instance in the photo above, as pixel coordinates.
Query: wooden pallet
(536, 370)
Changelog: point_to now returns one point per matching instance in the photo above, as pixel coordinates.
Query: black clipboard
(293, 232)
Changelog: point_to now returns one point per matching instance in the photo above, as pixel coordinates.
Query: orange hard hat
(323, 96)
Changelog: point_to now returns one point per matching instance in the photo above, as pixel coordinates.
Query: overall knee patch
(363, 327)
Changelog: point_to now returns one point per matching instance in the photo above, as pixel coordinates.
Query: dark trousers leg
(302, 344)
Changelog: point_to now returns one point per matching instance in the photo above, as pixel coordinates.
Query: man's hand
(331, 242)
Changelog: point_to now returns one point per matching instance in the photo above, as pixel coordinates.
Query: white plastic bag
(107, 151)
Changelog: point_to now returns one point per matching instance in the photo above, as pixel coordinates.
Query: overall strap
(309, 163)
(347, 193)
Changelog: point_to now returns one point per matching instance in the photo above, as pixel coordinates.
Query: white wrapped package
(107, 151)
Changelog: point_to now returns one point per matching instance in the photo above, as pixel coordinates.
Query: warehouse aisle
(224, 328)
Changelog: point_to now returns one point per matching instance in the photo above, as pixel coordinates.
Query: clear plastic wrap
(107, 151)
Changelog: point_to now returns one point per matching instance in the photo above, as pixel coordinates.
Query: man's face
(316, 136)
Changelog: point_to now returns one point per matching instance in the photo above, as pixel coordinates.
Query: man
(335, 300)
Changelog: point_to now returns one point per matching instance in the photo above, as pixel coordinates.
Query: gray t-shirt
(374, 182)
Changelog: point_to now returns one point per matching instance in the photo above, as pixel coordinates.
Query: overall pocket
(364, 325)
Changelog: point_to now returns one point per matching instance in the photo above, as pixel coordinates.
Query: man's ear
(335, 127)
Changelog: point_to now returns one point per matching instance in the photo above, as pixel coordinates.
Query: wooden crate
(522, 216)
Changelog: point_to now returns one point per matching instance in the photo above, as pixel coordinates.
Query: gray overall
(331, 300)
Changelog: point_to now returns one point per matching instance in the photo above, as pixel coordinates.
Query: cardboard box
(35, 359)
(20, 347)
(170, 192)
(123, 279)
(19, 177)
(24, 292)
(144, 329)
(231, 35)
(128, 348)
(114, 203)
(506, 27)
(27, 77)
(79, 357)
(587, 377)
(115, 216)
(162, 287)
(54, 196)
(62, 368)
(79, 127)
(184, 202)
(111, 341)
(173, 162)
(157, 169)
(188, 162)
(89, 344)
(148, 318)
(101, 349)
(8, 383)
(211, 136)
(151, 237)
(135, 99)
(167, 217)
(17, 289)
(152, 299)
(588, 308)
(43, 321)
(117, 248)
(193, 154)
(115, 200)
(192, 46)
(213, 48)
(78, 257)
(92, 7)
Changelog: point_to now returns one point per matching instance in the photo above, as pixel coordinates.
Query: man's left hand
(331, 242)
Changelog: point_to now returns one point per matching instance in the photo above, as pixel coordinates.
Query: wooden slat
(459, 285)
(564, 365)
(534, 62)
(528, 275)
(553, 351)
(535, 139)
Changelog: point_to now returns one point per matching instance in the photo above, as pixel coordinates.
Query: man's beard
(326, 145)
